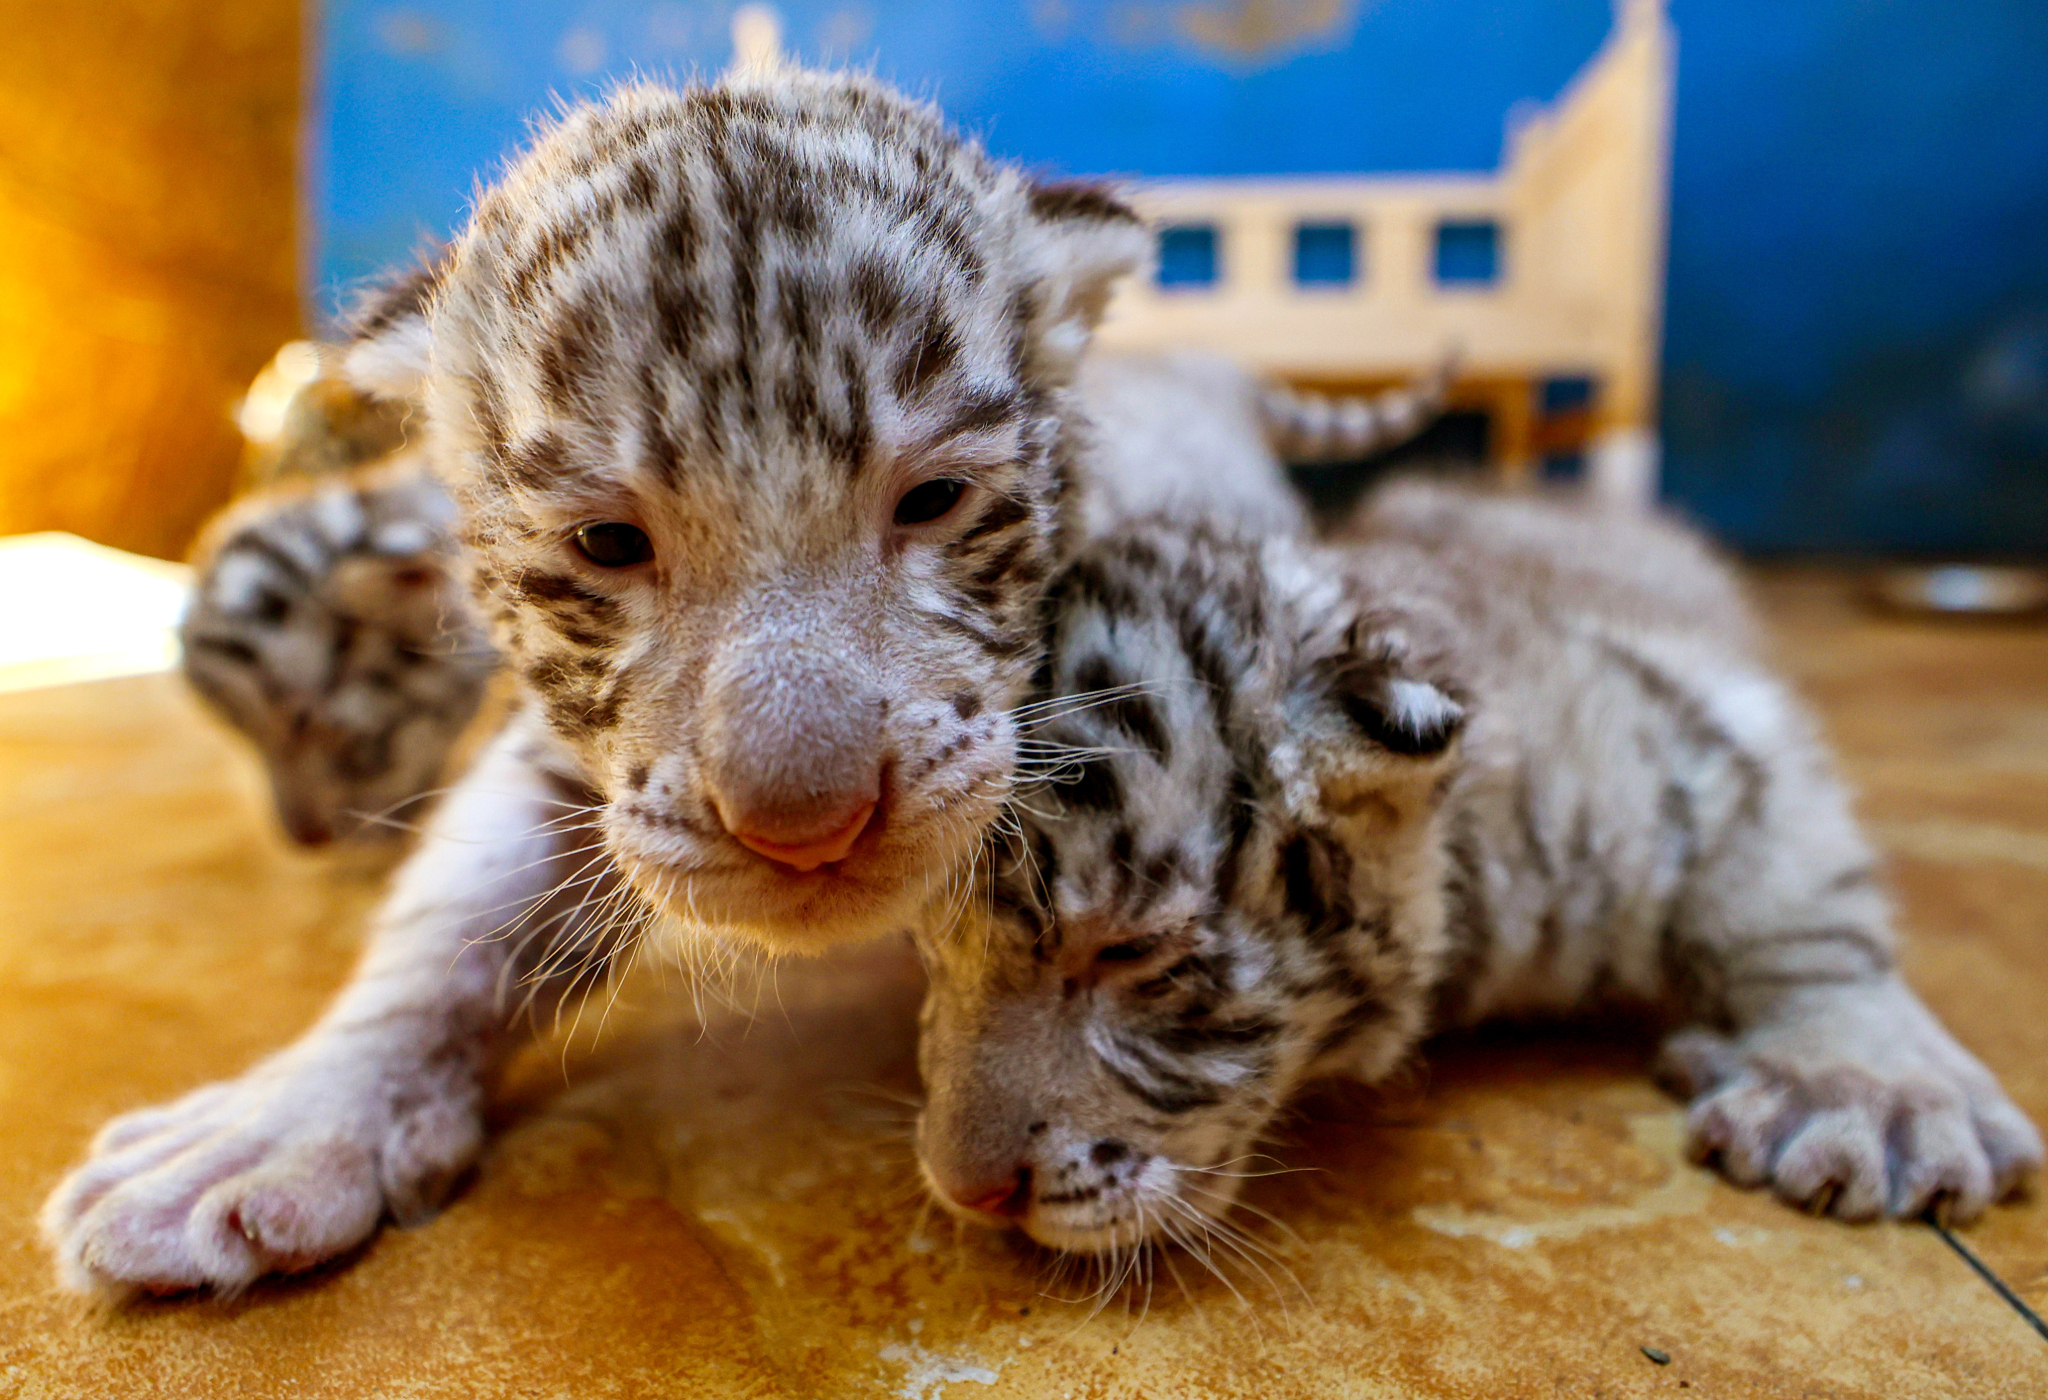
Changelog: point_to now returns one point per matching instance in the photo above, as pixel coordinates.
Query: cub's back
(1517, 559)
(1625, 729)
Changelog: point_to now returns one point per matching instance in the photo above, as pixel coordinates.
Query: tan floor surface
(735, 1213)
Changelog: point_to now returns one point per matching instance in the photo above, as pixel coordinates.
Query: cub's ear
(1081, 237)
(1411, 718)
(1391, 719)
(390, 345)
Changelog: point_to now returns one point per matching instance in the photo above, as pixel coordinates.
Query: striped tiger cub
(1216, 425)
(1489, 758)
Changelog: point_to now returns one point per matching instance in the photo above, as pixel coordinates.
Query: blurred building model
(1547, 275)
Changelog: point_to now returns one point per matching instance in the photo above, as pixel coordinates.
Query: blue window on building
(1564, 409)
(1570, 393)
(1468, 252)
(1187, 255)
(1325, 255)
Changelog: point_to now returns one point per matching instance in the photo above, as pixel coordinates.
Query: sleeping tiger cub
(1491, 758)
(328, 625)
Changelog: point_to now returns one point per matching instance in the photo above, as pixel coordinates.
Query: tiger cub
(1177, 408)
(327, 625)
(761, 405)
(1491, 758)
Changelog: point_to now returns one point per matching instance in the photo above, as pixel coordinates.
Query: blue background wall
(1857, 347)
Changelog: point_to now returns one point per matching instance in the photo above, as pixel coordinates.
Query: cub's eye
(611, 544)
(928, 502)
(1126, 952)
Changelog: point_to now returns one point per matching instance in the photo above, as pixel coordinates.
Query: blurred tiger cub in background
(329, 625)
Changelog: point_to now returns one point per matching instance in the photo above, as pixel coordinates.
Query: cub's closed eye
(1126, 952)
(929, 501)
(613, 544)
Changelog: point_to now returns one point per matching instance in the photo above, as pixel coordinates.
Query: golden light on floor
(85, 612)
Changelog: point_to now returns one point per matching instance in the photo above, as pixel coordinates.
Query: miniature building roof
(419, 101)
(1549, 269)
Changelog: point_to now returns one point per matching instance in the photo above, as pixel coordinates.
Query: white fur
(392, 367)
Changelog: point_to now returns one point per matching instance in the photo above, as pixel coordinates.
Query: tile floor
(677, 1208)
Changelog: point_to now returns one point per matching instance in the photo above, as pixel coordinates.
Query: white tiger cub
(1189, 433)
(757, 405)
(345, 763)
(328, 623)
(1496, 758)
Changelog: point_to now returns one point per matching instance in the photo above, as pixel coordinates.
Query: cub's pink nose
(796, 758)
(804, 846)
(1008, 1200)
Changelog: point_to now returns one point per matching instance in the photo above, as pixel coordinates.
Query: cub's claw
(1894, 1133)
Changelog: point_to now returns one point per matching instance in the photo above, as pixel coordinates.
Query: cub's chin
(881, 887)
(1149, 1214)
(1092, 1238)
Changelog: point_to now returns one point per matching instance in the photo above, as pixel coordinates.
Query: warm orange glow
(147, 266)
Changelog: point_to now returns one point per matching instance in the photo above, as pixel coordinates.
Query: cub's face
(754, 402)
(329, 627)
(1231, 887)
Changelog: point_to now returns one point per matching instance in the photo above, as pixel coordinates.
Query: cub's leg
(1813, 1067)
(377, 1108)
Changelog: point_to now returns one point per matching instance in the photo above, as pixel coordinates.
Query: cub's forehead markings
(985, 422)
(928, 357)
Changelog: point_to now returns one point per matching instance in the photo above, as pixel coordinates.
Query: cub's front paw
(1846, 1126)
(275, 1172)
